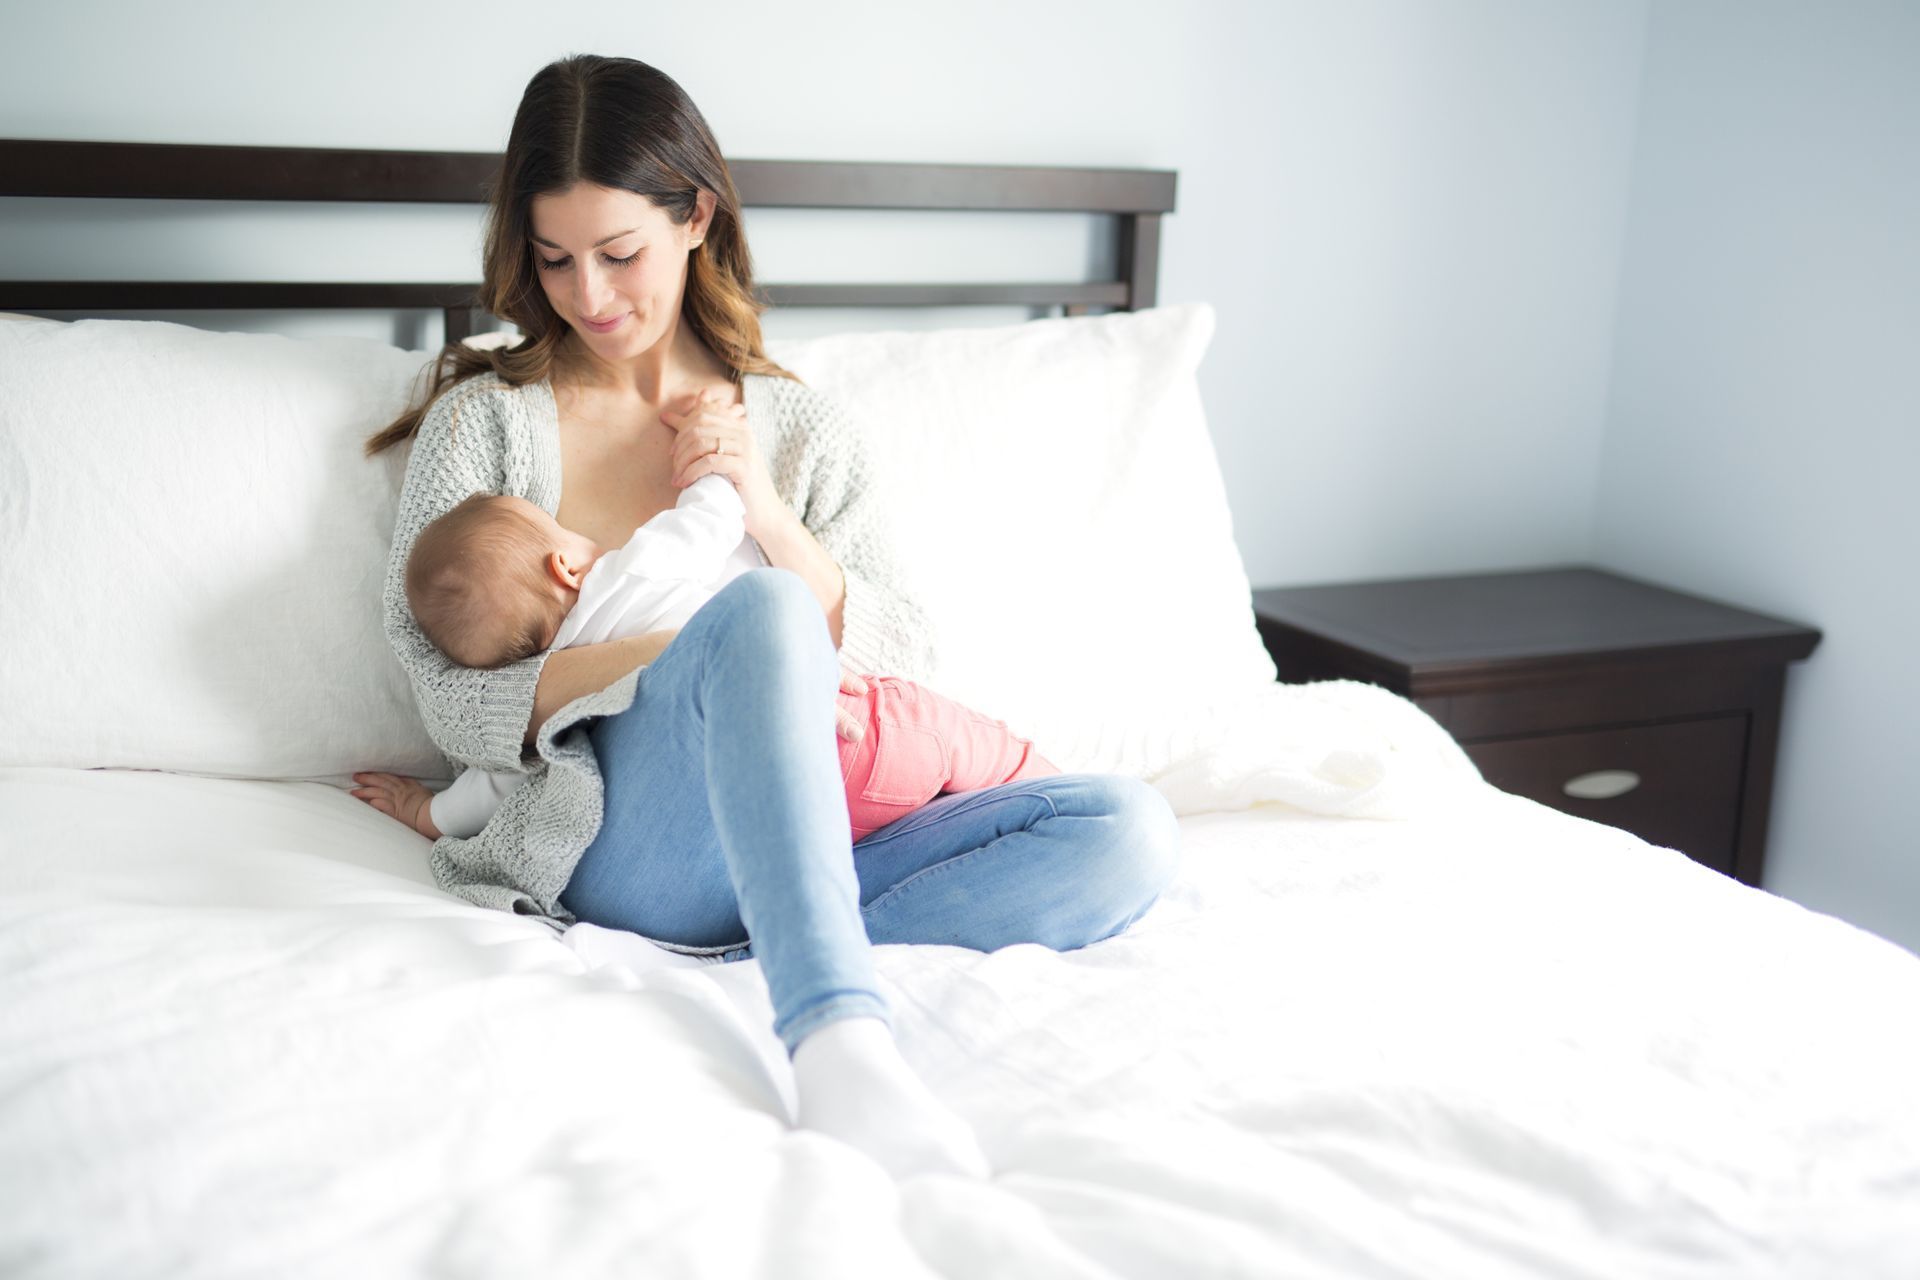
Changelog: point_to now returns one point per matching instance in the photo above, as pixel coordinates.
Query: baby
(496, 579)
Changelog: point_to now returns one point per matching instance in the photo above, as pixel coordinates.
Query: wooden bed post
(1140, 258)
(463, 322)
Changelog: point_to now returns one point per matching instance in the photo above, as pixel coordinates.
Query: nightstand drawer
(1675, 784)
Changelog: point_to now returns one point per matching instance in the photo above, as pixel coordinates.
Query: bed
(1387, 1021)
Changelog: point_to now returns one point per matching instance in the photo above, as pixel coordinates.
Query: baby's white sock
(853, 1085)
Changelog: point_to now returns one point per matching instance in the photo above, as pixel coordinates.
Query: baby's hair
(477, 585)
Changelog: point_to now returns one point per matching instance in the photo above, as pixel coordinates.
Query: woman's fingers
(712, 444)
(706, 404)
(851, 727)
(718, 464)
(715, 438)
(690, 407)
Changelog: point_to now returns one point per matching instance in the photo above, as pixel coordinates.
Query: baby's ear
(563, 571)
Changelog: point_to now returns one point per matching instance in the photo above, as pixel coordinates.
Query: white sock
(598, 946)
(853, 1085)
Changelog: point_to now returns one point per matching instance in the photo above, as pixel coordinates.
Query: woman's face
(613, 265)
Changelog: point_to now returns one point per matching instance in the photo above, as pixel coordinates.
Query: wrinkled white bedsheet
(241, 1034)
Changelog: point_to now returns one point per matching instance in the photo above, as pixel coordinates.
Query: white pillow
(192, 550)
(1059, 509)
(192, 547)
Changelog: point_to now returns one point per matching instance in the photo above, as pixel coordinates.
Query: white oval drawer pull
(1602, 784)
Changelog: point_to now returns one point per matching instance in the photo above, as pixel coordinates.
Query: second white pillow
(1059, 508)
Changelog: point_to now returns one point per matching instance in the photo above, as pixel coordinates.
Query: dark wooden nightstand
(1604, 697)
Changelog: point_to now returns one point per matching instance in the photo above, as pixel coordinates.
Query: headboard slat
(242, 295)
(176, 171)
(182, 171)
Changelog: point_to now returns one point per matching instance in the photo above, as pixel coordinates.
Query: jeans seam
(964, 807)
(917, 877)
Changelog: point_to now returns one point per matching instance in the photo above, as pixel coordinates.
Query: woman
(685, 786)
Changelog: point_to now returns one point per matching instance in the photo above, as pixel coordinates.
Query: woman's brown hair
(617, 123)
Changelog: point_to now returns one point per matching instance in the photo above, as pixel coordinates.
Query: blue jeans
(725, 827)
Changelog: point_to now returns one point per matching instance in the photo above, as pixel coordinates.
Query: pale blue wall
(1407, 213)
(1763, 436)
(1412, 216)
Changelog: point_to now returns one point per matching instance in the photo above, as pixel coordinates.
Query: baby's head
(490, 581)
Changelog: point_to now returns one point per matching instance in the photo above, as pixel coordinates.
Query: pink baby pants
(919, 744)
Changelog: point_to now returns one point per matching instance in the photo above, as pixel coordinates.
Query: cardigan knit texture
(484, 435)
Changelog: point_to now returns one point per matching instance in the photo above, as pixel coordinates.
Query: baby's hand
(400, 798)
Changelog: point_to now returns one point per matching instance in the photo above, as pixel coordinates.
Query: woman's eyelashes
(561, 264)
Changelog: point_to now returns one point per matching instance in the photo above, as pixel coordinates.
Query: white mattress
(243, 1034)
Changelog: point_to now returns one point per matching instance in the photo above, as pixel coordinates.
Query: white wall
(1407, 214)
(1764, 431)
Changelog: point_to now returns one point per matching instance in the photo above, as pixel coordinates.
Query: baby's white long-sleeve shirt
(669, 568)
(673, 564)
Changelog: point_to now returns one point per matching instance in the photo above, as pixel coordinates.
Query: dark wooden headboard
(1139, 198)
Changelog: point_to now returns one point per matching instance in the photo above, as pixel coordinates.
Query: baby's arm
(689, 541)
(665, 571)
(462, 809)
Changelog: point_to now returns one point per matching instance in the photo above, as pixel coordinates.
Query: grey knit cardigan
(485, 435)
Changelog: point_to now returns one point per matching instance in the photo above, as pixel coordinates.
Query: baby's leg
(929, 743)
(919, 744)
(979, 751)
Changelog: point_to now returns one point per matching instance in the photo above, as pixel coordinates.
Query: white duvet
(244, 1035)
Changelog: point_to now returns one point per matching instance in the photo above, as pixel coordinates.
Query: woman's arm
(698, 457)
(841, 542)
(816, 508)
(588, 668)
(477, 718)
(789, 545)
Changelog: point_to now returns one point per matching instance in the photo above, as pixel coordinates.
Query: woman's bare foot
(400, 798)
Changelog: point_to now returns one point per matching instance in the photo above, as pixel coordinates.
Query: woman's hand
(716, 439)
(850, 726)
(713, 440)
(400, 798)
